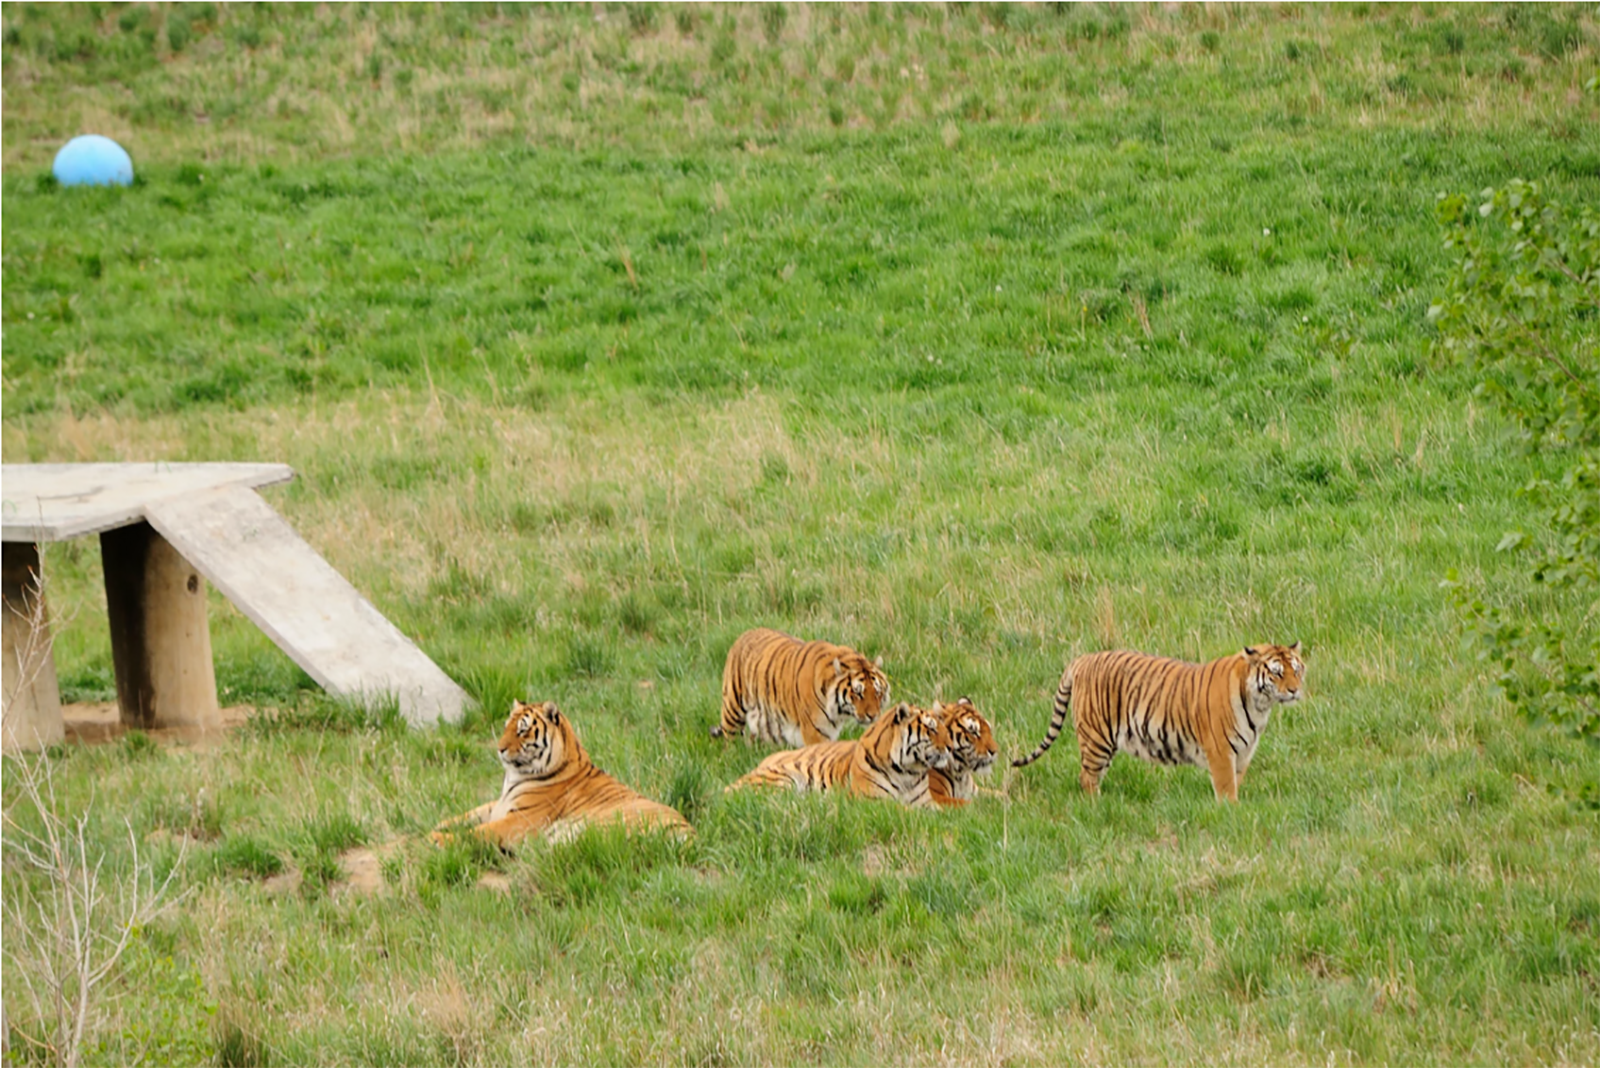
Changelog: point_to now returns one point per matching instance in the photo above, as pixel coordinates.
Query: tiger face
(919, 739)
(1276, 672)
(537, 740)
(860, 687)
(972, 744)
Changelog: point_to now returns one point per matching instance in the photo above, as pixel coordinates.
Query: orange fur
(890, 760)
(972, 751)
(552, 788)
(1173, 712)
(783, 691)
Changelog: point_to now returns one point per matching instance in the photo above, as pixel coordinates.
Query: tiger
(891, 760)
(552, 788)
(1174, 712)
(972, 751)
(783, 691)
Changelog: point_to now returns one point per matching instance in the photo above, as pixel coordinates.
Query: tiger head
(910, 739)
(859, 687)
(538, 741)
(1276, 672)
(971, 742)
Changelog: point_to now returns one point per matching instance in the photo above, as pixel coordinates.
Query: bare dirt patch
(361, 868)
(494, 881)
(287, 882)
(99, 722)
(361, 872)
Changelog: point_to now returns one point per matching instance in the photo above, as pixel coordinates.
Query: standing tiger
(1173, 712)
(890, 760)
(972, 751)
(784, 691)
(552, 788)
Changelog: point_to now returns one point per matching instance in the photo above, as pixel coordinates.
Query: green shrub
(1521, 309)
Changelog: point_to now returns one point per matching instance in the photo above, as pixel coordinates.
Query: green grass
(610, 339)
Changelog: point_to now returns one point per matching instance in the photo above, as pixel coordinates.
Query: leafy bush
(1522, 308)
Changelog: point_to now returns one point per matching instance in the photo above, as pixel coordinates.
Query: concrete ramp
(238, 542)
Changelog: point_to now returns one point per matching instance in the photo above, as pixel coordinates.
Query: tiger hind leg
(1094, 757)
(760, 779)
(732, 721)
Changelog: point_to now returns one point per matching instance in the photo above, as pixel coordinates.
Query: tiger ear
(838, 667)
(965, 701)
(1295, 648)
(1251, 651)
(552, 711)
(902, 712)
(878, 663)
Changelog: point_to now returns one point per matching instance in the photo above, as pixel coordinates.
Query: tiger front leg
(1242, 766)
(509, 830)
(811, 734)
(1224, 778)
(466, 819)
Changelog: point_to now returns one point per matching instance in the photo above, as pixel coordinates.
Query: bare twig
(68, 922)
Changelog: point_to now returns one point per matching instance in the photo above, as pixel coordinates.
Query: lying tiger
(890, 760)
(972, 751)
(783, 691)
(1173, 712)
(552, 788)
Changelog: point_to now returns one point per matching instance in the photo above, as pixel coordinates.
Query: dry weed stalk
(64, 937)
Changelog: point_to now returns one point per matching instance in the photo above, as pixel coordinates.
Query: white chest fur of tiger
(780, 690)
(553, 789)
(1173, 712)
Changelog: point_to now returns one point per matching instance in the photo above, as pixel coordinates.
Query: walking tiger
(783, 691)
(1173, 712)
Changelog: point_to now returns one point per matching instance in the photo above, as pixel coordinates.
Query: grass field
(973, 336)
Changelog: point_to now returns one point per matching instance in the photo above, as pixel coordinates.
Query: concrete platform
(164, 529)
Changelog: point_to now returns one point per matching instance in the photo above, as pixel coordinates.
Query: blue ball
(92, 160)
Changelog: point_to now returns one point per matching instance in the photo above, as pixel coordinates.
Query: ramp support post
(32, 700)
(160, 638)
